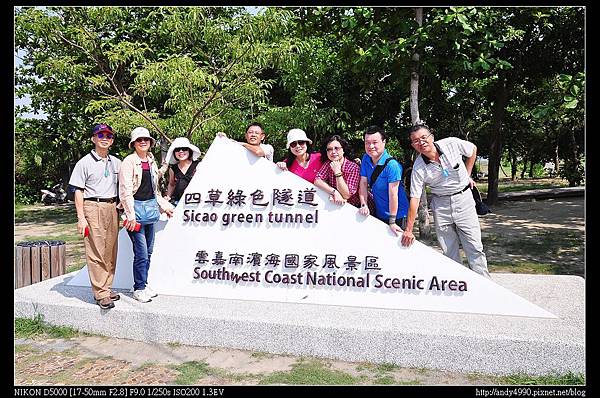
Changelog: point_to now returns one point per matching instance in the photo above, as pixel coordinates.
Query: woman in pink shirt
(299, 161)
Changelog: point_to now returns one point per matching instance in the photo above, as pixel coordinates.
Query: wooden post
(54, 262)
(18, 267)
(26, 268)
(38, 261)
(36, 275)
(62, 257)
(45, 262)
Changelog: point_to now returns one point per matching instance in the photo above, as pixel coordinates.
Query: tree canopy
(509, 79)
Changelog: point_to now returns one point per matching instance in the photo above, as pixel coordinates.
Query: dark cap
(101, 127)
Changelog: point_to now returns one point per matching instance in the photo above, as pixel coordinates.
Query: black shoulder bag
(378, 169)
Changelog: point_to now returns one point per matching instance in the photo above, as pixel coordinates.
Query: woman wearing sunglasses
(182, 157)
(141, 199)
(299, 160)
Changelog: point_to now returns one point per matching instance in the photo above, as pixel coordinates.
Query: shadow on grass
(65, 214)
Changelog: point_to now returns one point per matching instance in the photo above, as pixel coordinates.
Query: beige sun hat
(181, 142)
(296, 135)
(140, 132)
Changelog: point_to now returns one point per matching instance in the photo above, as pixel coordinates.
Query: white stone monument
(246, 230)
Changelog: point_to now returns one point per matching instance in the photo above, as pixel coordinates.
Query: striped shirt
(445, 178)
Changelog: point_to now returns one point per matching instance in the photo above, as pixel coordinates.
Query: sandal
(114, 296)
(105, 303)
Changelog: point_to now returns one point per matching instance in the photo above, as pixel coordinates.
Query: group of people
(105, 186)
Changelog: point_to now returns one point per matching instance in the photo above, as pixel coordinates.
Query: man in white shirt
(255, 134)
(95, 179)
(440, 166)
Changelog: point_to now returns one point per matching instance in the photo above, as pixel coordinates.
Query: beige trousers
(101, 245)
(456, 223)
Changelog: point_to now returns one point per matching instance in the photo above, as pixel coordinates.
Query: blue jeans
(143, 243)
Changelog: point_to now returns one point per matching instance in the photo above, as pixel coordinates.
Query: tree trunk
(501, 100)
(513, 166)
(531, 169)
(524, 168)
(423, 212)
(414, 76)
(556, 159)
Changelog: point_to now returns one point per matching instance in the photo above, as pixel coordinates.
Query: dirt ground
(549, 235)
(547, 232)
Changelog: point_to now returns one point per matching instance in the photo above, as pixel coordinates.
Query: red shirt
(350, 174)
(310, 172)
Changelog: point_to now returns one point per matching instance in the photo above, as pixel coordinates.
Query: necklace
(106, 167)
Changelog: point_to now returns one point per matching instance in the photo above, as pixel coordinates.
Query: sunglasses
(142, 139)
(108, 136)
(181, 149)
(295, 143)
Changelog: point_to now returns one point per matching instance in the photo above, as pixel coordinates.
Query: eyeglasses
(423, 138)
(108, 136)
(181, 149)
(296, 143)
(142, 139)
(335, 148)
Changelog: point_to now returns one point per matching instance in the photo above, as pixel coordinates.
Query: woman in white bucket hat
(141, 199)
(182, 157)
(299, 160)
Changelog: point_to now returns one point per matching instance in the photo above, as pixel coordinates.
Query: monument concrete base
(489, 344)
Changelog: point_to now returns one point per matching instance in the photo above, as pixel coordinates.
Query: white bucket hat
(296, 135)
(140, 132)
(181, 142)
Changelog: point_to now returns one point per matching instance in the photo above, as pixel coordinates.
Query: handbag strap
(378, 169)
(190, 171)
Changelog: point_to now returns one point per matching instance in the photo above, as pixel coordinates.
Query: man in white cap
(182, 157)
(95, 179)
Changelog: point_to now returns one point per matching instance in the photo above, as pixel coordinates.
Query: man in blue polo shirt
(95, 179)
(391, 204)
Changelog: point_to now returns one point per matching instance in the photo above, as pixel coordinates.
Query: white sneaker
(151, 293)
(142, 296)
